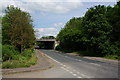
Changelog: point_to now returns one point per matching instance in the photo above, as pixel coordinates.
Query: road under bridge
(47, 43)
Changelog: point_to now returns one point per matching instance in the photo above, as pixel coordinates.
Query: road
(68, 66)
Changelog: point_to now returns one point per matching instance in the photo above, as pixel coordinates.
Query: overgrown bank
(94, 34)
(12, 58)
(18, 39)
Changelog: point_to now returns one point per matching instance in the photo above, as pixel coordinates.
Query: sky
(50, 16)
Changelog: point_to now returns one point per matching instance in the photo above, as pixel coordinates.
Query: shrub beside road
(12, 58)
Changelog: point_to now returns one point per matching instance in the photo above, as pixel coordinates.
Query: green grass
(113, 57)
(85, 53)
(81, 53)
(21, 62)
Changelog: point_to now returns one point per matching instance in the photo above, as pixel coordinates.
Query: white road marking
(71, 72)
(78, 72)
(79, 77)
(74, 74)
(52, 58)
(65, 67)
(95, 64)
(61, 64)
(83, 75)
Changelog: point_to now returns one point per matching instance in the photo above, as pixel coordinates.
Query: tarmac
(43, 63)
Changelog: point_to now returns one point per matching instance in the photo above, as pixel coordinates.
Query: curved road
(68, 66)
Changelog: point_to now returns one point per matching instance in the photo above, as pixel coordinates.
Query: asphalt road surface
(68, 66)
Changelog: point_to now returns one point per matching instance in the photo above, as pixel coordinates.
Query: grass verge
(81, 53)
(22, 61)
(85, 53)
(113, 57)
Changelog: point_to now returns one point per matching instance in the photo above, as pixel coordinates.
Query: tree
(0, 31)
(74, 23)
(113, 16)
(17, 28)
(97, 30)
(70, 36)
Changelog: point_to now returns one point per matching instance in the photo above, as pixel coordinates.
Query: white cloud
(59, 25)
(51, 31)
(45, 32)
(70, 0)
(52, 0)
(56, 6)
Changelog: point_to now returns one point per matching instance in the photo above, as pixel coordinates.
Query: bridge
(47, 43)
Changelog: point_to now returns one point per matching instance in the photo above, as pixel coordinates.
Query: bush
(15, 60)
(83, 53)
(58, 47)
(8, 52)
(20, 62)
(27, 53)
(115, 57)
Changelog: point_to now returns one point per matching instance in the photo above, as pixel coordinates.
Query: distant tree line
(97, 32)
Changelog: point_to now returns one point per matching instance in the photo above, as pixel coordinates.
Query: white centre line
(78, 72)
(83, 75)
(79, 77)
(71, 72)
(95, 64)
(65, 67)
(74, 74)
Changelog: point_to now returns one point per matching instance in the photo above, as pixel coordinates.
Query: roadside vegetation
(17, 39)
(97, 33)
(0, 41)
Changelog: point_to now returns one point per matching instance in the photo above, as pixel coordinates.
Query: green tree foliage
(17, 28)
(0, 30)
(113, 16)
(74, 23)
(70, 41)
(8, 52)
(70, 36)
(97, 32)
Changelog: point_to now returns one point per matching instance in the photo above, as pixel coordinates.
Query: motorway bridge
(47, 43)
